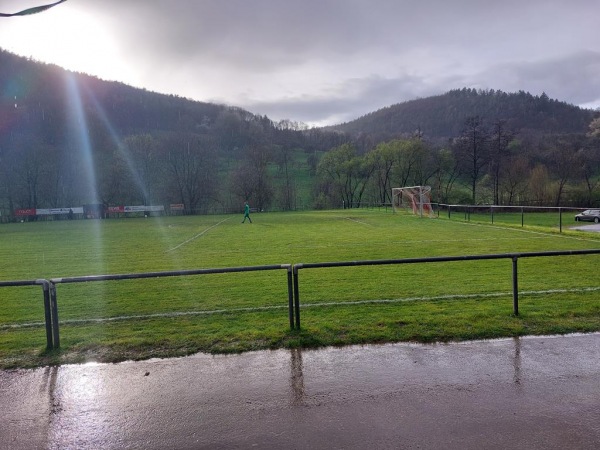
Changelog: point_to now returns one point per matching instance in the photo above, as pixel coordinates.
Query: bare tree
(285, 162)
(190, 168)
(472, 151)
(563, 161)
(499, 141)
(447, 172)
(539, 182)
(251, 180)
(514, 179)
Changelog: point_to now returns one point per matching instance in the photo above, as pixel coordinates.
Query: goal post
(415, 198)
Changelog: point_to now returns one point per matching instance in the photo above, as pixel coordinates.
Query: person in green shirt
(247, 213)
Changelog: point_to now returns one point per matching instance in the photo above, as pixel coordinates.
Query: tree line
(487, 163)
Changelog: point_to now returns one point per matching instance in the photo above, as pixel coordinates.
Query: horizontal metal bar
(375, 262)
(172, 273)
(37, 282)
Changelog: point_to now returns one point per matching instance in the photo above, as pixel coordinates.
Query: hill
(68, 139)
(444, 116)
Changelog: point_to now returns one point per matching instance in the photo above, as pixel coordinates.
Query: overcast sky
(319, 61)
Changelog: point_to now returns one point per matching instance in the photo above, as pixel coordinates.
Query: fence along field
(115, 320)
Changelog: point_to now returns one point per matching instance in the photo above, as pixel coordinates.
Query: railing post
(522, 217)
(515, 286)
(54, 315)
(290, 296)
(560, 220)
(296, 298)
(47, 313)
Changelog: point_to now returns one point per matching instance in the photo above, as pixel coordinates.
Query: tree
(472, 151)
(190, 168)
(563, 163)
(111, 181)
(382, 160)
(405, 160)
(594, 128)
(28, 167)
(514, 179)
(539, 181)
(588, 161)
(447, 171)
(140, 154)
(402, 162)
(499, 141)
(251, 180)
(347, 172)
(285, 162)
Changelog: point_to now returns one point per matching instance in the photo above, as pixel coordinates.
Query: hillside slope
(443, 116)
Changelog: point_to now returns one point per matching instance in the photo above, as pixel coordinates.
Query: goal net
(415, 198)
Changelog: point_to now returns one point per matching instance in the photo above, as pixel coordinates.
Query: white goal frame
(416, 198)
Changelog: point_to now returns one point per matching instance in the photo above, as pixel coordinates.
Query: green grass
(546, 220)
(133, 319)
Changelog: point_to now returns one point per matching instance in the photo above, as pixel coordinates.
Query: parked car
(589, 215)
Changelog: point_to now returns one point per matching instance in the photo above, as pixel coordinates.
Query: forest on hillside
(443, 116)
(68, 139)
(486, 163)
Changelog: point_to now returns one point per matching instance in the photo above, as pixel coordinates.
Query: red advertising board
(25, 212)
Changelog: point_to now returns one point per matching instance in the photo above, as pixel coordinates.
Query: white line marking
(358, 221)
(453, 297)
(198, 235)
(541, 233)
(146, 316)
(305, 305)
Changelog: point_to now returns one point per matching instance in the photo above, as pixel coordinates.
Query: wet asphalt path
(528, 393)
(593, 227)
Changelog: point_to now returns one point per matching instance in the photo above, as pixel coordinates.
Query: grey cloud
(573, 78)
(345, 101)
(327, 61)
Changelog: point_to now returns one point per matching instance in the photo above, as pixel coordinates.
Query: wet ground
(532, 392)
(595, 227)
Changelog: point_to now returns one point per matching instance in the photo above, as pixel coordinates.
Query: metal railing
(513, 256)
(50, 309)
(293, 283)
(51, 303)
(496, 212)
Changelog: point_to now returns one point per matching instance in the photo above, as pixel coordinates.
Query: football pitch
(232, 312)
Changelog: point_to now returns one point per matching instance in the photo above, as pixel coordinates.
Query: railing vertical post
(560, 219)
(522, 217)
(54, 315)
(296, 297)
(47, 313)
(290, 296)
(515, 286)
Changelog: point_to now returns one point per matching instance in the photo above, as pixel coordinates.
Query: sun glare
(69, 38)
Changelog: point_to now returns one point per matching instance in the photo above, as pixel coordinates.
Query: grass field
(133, 319)
(531, 217)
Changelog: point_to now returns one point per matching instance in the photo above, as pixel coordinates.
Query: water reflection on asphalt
(522, 391)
